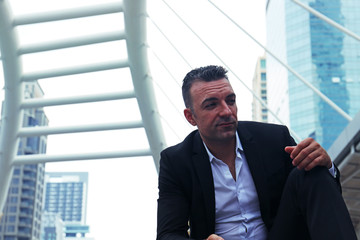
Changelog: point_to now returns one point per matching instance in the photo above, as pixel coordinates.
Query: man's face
(214, 110)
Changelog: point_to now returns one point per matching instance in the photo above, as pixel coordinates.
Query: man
(237, 180)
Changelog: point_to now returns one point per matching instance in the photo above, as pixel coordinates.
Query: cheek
(234, 110)
(204, 121)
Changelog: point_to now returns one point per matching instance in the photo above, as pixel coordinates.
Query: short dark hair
(206, 74)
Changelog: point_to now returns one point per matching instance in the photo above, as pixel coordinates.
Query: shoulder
(254, 124)
(267, 132)
(176, 162)
(260, 126)
(181, 153)
(185, 146)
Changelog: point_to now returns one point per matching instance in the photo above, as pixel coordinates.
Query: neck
(224, 150)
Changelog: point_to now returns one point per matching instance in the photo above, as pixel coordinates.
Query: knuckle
(316, 145)
(305, 153)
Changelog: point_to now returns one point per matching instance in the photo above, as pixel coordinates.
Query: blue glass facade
(328, 59)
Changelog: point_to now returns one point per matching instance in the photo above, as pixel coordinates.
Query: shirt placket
(243, 229)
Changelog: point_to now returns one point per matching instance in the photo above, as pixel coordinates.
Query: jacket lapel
(203, 170)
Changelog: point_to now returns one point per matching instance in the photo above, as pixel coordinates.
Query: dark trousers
(312, 207)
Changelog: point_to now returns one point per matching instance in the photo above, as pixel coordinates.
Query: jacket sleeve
(337, 171)
(173, 205)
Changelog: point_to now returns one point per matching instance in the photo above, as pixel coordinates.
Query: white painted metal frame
(12, 113)
(14, 104)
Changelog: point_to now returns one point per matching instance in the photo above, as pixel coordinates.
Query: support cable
(175, 48)
(315, 90)
(297, 138)
(167, 96)
(328, 20)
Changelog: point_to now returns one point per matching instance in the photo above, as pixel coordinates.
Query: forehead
(218, 88)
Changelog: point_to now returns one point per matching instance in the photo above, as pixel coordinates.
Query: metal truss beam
(68, 14)
(41, 102)
(135, 25)
(44, 158)
(134, 34)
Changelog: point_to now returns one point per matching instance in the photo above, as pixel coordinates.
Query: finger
(299, 147)
(214, 237)
(303, 151)
(311, 160)
(318, 157)
(289, 149)
(322, 160)
(310, 166)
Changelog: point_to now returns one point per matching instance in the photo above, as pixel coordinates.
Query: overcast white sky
(123, 192)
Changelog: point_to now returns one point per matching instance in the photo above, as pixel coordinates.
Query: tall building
(326, 57)
(259, 111)
(52, 227)
(22, 211)
(66, 195)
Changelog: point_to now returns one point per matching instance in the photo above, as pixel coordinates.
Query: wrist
(329, 165)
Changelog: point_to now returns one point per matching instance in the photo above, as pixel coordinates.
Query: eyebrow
(215, 99)
(231, 95)
(209, 100)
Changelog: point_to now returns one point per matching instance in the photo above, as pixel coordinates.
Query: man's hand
(214, 237)
(308, 154)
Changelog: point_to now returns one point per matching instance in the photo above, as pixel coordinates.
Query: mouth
(226, 124)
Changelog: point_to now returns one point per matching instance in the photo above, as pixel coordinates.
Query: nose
(225, 109)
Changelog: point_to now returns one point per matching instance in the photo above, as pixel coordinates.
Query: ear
(189, 116)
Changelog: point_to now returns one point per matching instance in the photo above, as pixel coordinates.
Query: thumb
(289, 149)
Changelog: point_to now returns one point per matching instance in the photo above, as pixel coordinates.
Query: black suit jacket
(186, 189)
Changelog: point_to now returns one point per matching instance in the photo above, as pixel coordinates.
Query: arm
(309, 154)
(173, 206)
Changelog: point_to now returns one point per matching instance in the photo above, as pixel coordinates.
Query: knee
(316, 179)
(314, 174)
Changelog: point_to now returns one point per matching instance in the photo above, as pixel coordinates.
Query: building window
(15, 181)
(10, 228)
(11, 219)
(13, 199)
(12, 209)
(14, 190)
(263, 76)
(263, 63)
(17, 171)
(9, 238)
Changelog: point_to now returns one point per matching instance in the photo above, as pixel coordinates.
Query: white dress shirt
(237, 213)
(237, 205)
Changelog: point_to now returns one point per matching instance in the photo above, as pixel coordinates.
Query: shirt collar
(239, 148)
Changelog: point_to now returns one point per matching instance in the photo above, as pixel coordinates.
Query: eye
(210, 105)
(231, 101)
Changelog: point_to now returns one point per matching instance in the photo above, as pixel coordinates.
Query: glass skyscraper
(326, 57)
(260, 112)
(22, 211)
(66, 195)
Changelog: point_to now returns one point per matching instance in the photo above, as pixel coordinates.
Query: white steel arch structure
(134, 34)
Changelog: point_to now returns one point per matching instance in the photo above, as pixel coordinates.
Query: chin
(229, 135)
